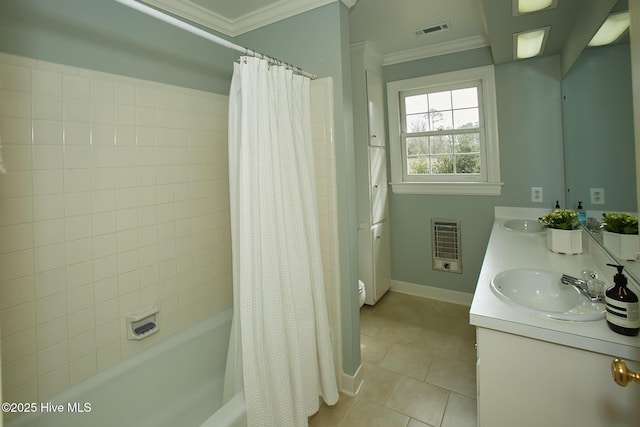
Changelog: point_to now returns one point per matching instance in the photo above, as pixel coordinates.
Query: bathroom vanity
(534, 370)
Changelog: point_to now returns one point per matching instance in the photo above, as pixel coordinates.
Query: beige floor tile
(419, 400)
(369, 324)
(399, 333)
(461, 411)
(331, 416)
(439, 343)
(378, 384)
(416, 423)
(453, 374)
(372, 349)
(408, 361)
(418, 360)
(367, 414)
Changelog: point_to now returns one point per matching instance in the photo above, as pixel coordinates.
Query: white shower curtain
(280, 350)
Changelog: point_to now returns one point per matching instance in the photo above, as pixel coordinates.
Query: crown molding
(436, 50)
(234, 27)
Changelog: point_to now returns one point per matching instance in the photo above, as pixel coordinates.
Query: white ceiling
(390, 25)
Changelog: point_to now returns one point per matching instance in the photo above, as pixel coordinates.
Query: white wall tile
(50, 282)
(47, 132)
(52, 358)
(75, 87)
(16, 184)
(18, 345)
(77, 134)
(82, 368)
(77, 251)
(15, 104)
(17, 157)
(104, 187)
(15, 78)
(46, 107)
(76, 110)
(82, 321)
(46, 83)
(51, 333)
(19, 372)
(53, 383)
(48, 182)
(77, 227)
(17, 264)
(48, 232)
(79, 274)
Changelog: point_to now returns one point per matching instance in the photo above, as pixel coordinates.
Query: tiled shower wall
(116, 199)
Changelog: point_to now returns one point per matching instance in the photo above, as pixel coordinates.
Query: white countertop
(507, 250)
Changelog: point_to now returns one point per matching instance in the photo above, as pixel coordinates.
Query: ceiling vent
(433, 28)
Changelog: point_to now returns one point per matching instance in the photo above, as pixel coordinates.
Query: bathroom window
(443, 134)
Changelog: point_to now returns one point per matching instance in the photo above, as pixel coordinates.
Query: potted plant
(621, 234)
(563, 232)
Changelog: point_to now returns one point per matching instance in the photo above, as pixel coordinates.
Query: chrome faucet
(592, 288)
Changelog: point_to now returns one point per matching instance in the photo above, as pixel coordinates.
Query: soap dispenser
(582, 215)
(623, 315)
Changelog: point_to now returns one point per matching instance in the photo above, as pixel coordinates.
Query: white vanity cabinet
(371, 172)
(527, 382)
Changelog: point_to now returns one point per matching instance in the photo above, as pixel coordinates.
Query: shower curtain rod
(201, 33)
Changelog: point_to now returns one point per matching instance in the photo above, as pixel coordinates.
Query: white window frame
(488, 182)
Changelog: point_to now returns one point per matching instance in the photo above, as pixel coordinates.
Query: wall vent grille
(432, 29)
(445, 245)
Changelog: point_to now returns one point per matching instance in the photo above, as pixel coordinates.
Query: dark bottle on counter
(623, 310)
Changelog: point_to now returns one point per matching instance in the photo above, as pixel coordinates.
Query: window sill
(449, 188)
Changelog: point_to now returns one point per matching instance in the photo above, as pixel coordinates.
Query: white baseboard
(432, 292)
(351, 384)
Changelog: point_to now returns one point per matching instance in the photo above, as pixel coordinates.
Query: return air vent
(445, 245)
(432, 29)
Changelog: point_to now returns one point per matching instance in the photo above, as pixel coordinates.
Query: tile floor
(418, 358)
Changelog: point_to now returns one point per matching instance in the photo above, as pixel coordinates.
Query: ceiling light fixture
(528, 6)
(530, 43)
(611, 29)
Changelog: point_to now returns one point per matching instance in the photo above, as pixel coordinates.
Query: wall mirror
(598, 134)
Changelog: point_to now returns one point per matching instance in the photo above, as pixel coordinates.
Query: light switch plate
(536, 194)
(597, 196)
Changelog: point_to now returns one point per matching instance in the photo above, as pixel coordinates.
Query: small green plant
(620, 222)
(562, 219)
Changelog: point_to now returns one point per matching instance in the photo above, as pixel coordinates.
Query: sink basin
(524, 225)
(542, 293)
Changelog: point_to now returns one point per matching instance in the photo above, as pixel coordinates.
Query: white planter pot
(564, 241)
(623, 246)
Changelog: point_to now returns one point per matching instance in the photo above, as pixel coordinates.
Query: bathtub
(176, 382)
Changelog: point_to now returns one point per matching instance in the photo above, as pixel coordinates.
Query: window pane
(416, 146)
(417, 123)
(467, 163)
(442, 144)
(441, 120)
(440, 101)
(442, 165)
(468, 118)
(465, 98)
(415, 104)
(467, 143)
(418, 165)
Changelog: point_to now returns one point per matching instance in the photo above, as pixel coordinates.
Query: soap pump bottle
(623, 314)
(582, 215)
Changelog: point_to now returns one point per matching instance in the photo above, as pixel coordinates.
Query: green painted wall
(530, 132)
(598, 124)
(318, 41)
(107, 36)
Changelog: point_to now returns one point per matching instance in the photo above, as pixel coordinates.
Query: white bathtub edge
(232, 414)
